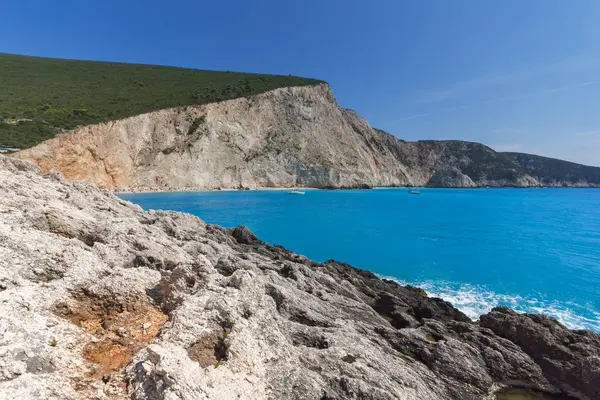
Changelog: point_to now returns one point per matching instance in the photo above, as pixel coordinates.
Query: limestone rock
(288, 137)
(101, 300)
(450, 177)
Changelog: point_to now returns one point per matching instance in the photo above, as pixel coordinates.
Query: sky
(515, 75)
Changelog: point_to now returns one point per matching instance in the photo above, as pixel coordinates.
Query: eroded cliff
(287, 137)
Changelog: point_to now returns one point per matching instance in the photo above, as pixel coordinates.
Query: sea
(534, 250)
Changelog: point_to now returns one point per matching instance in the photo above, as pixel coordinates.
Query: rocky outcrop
(570, 356)
(101, 300)
(288, 137)
(450, 177)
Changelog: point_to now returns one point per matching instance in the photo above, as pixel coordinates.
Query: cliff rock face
(557, 173)
(101, 300)
(450, 177)
(288, 137)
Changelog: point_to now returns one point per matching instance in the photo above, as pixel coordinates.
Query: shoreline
(163, 190)
(184, 190)
(475, 300)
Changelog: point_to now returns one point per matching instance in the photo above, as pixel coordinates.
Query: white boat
(296, 192)
(414, 191)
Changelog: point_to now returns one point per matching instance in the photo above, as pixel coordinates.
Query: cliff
(101, 300)
(557, 173)
(156, 127)
(287, 137)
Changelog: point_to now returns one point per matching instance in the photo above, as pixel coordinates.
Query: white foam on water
(474, 301)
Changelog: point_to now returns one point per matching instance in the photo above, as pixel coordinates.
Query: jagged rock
(244, 235)
(570, 359)
(102, 300)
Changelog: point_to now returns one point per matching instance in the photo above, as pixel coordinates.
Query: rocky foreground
(101, 300)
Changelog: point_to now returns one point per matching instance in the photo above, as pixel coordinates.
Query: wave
(475, 300)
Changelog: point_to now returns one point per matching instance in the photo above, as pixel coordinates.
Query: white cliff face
(288, 137)
(296, 136)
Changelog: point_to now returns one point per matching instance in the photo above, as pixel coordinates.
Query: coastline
(118, 191)
(475, 300)
(472, 299)
(167, 190)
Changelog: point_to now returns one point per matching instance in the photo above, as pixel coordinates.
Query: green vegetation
(196, 124)
(39, 97)
(431, 338)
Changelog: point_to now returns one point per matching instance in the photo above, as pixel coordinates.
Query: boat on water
(414, 191)
(296, 192)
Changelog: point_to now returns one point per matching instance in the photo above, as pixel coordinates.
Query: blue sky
(513, 74)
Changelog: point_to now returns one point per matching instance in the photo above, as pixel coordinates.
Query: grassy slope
(41, 96)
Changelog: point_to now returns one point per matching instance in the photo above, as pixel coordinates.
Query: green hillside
(39, 97)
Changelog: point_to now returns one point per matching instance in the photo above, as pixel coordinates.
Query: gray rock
(101, 300)
(570, 359)
(244, 235)
(448, 177)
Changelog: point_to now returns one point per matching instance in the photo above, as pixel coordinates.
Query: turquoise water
(536, 250)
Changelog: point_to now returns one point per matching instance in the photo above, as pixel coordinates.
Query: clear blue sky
(518, 75)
